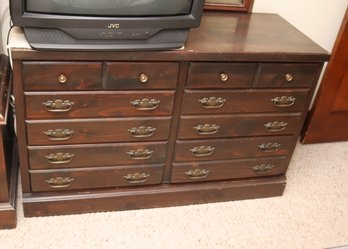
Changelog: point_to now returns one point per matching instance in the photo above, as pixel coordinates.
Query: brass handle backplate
(275, 126)
(58, 105)
(197, 174)
(136, 177)
(289, 77)
(223, 77)
(143, 78)
(140, 154)
(59, 134)
(207, 129)
(202, 151)
(142, 131)
(62, 78)
(145, 104)
(262, 168)
(284, 101)
(60, 182)
(269, 147)
(212, 102)
(59, 158)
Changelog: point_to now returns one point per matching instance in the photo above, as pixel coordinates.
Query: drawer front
(287, 75)
(237, 125)
(221, 75)
(69, 156)
(62, 76)
(220, 170)
(132, 76)
(210, 102)
(98, 104)
(90, 178)
(227, 149)
(97, 131)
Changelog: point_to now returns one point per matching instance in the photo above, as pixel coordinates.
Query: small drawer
(221, 75)
(133, 76)
(243, 101)
(61, 76)
(98, 104)
(73, 156)
(91, 178)
(227, 149)
(288, 75)
(97, 130)
(220, 170)
(238, 125)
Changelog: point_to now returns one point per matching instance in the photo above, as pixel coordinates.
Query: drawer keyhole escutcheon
(262, 168)
(140, 154)
(62, 78)
(142, 131)
(136, 177)
(207, 129)
(143, 78)
(59, 134)
(289, 77)
(202, 151)
(59, 158)
(60, 182)
(284, 101)
(145, 104)
(212, 102)
(275, 126)
(197, 174)
(223, 77)
(269, 147)
(58, 105)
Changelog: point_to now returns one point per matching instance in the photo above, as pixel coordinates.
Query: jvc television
(106, 24)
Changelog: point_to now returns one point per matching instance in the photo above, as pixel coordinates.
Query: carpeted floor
(312, 213)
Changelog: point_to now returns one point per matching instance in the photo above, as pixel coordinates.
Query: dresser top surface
(221, 36)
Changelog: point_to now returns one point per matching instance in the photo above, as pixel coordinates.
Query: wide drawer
(288, 75)
(48, 132)
(226, 149)
(221, 75)
(91, 178)
(69, 156)
(238, 125)
(141, 75)
(219, 170)
(62, 76)
(244, 101)
(98, 104)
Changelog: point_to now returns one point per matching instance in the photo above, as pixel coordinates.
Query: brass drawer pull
(275, 126)
(289, 77)
(136, 177)
(145, 104)
(62, 78)
(197, 174)
(269, 147)
(262, 168)
(212, 102)
(59, 158)
(59, 134)
(223, 77)
(60, 182)
(142, 131)
(284, 101)
(58, 105)
(143, 78)
(207, 129)
(140, 154)
(202, 151)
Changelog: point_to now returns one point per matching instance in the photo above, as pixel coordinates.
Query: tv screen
(106, 24)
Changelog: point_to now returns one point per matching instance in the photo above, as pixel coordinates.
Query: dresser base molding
(44, 204)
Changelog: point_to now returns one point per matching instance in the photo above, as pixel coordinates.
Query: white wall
(4, 25)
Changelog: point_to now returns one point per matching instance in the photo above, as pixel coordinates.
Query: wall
(4, 25)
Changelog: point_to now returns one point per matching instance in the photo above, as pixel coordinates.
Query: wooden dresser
(8, 154)
(215, 121)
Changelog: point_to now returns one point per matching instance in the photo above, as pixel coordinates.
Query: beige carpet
(312, 213)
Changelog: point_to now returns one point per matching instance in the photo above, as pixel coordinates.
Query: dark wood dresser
(8, 152)
(215, 121)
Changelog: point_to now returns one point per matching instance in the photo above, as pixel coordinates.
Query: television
(106, 24)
